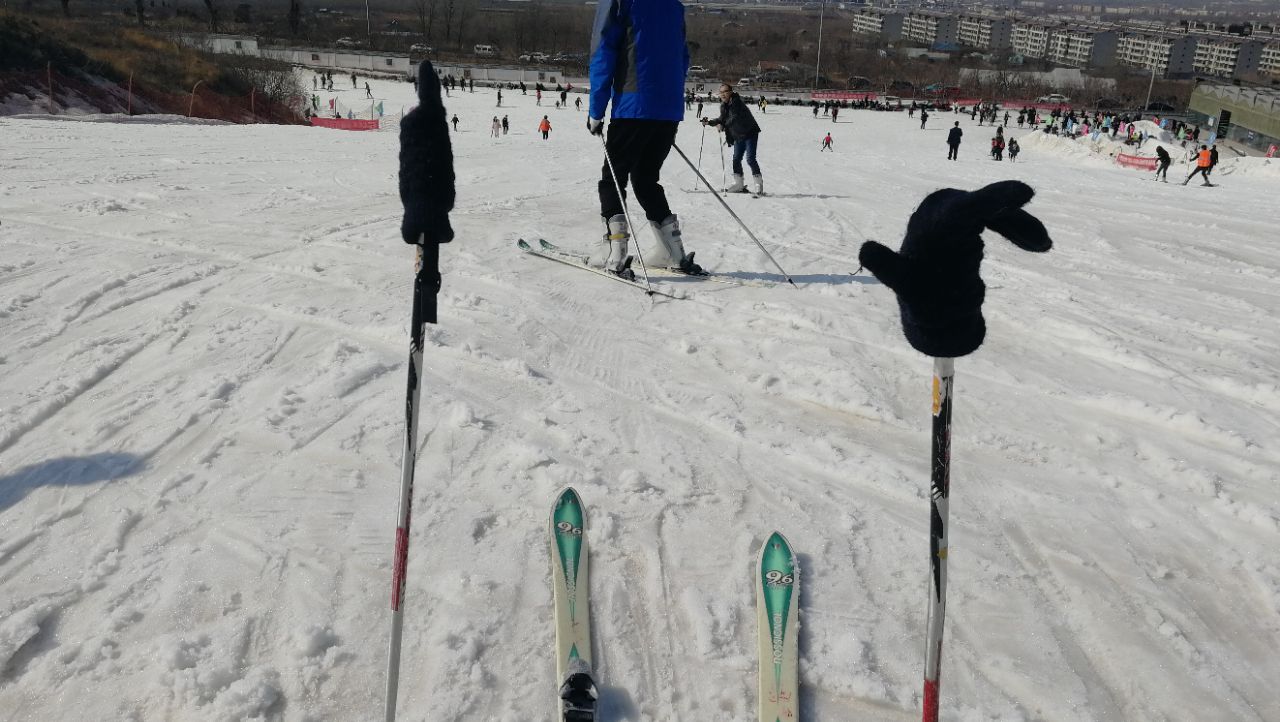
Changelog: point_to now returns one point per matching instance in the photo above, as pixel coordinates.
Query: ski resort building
(1083, 46)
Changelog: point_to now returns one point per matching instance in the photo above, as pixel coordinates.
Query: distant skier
(577, 103)
(924, 118)
(499, 97)
(835, 110)
(544, 127)
(368, 92)
(538, 95)
(953, 141)
(504, 125)
(495, 128)
(455, 123)
(1213, 160)
(1203, 161)
(1162, 164)
(826, 144)
(997, 148)
(741, 127)
(1013, 149)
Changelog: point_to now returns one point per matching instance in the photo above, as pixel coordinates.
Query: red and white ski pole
(940, 495)
(426, 284)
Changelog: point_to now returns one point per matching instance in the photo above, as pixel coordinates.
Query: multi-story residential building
(985, 31)
(883, 24)
(1032, 39)
(1083, 46)
(930, 28)
(1270, 62)
(1228, 56)
(1169, 55)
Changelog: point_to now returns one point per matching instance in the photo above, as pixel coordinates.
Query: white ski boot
(739, 186)
(611, 253)
(670, 250)
(759, 184)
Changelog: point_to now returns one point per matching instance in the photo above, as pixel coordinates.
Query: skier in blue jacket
(638, 65)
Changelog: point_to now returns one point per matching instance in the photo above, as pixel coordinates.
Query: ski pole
(630, 226)
(426, 284)
(735, 215)
(724, 180)
(700, 144)
(940, 496)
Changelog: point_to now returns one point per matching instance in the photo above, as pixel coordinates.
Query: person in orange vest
(1203, 163)
(544, 127)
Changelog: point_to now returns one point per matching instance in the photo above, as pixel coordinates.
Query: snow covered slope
(202, 379)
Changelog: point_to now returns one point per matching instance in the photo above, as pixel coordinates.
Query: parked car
(347, 43)
(745, 83)
(697, 71)
(1053, 98)
(421, 48)
(485, 51)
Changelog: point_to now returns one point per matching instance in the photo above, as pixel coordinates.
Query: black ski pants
(1202, 170)
(638, 148)
(954, 150)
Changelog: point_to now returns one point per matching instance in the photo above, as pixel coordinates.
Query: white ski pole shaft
(940, 498)
(617, 185)
(735, 215)
(426, 283)
(701, 143)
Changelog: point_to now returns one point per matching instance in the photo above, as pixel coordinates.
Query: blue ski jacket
(639, 59)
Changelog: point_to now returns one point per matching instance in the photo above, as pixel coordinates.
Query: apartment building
(1171, 56)
(931, 28)
(985, 31)
(1270, 62)
(1032, 39)
(1083, 46)
(883, 24)
(1228, 56)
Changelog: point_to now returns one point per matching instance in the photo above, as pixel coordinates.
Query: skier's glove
(935, 274)
(595, 127)
(426, 166)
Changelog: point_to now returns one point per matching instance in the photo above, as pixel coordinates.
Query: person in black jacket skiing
(741, 128)
(953, 141)
(1163, 160)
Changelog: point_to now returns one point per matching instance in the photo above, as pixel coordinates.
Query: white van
(486, 51)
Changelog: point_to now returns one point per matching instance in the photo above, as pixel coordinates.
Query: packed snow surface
(202, 401)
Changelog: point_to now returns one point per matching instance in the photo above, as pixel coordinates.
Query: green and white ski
(777, 597)
(571, 593)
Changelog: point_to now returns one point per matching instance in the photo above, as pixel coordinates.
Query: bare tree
(466, 8)
(213, 14)
(450, 9)
(295, 16)
(141, 8)
(426, 11)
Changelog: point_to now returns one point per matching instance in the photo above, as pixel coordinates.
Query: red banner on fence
(344, 123)
(1271, 152)
(1136, 161)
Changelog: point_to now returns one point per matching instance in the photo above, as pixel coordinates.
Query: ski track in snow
(201, 400)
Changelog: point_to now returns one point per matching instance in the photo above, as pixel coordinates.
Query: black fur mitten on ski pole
(426, 165)
(935, 274)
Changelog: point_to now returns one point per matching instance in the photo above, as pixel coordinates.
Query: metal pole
(368, 24)
(1149, 87)
(700, 144)
(818, 65)
(735, 215)
(426, 284)
(940, 499)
